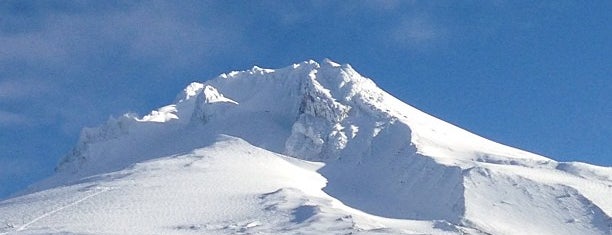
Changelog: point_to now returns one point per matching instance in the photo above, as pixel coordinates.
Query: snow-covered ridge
(300, 91)
(320, 97)
(378, 155)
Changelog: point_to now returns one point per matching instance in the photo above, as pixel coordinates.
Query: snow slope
(230, 186)
(312, 148)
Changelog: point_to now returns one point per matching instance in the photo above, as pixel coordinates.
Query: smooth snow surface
(313, 148)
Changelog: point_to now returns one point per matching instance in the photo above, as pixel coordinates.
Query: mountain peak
(324, 146)
(318, 109)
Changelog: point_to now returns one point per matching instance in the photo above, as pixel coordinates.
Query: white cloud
(161, 32)
(149, 30)
(81, 49)
(416, 31)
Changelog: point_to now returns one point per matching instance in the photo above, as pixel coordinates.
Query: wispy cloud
(31, 47)
(151, 30)
(77, 49)
(385, 5)
(8, 119)
(14, 89)
(416, 31)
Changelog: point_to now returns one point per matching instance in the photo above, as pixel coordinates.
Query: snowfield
(313, 148)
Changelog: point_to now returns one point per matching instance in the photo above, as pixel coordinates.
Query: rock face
(359, 160)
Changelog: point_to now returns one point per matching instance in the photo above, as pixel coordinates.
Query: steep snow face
(377, 156)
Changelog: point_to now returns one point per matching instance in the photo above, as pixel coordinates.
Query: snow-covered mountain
(313, 148)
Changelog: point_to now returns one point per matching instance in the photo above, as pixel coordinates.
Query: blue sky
(536, 75)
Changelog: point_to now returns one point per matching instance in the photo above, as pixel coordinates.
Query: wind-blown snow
(312, 148)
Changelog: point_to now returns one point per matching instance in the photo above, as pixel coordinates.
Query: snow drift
(310, 148)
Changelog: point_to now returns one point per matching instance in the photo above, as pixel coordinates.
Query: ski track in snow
(24, 226)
